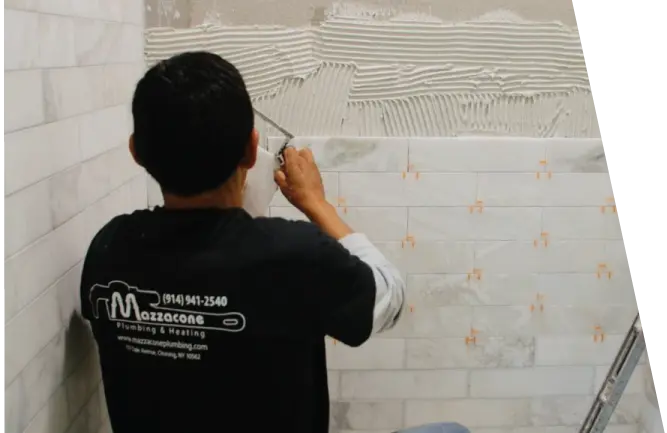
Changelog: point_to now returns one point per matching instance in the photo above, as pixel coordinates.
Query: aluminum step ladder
(610, 393)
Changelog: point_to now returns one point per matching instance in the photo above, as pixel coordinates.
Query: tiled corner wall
(70, 69)
(519, 291)
(650, 420)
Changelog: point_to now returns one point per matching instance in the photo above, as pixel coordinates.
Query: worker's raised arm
(347, 272)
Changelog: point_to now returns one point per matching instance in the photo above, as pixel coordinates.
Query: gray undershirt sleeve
(389, 284)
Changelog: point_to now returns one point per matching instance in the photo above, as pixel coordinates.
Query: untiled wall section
(519, 292)
(70, 68)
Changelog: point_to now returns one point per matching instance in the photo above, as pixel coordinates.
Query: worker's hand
(300, 181)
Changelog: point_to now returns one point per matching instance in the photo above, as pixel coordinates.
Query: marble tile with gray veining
(432, 322)
(353, 153)
(470, 352)
(366, 415)
(471, 289)
(497, 413)
(570, 410)
(540, 318)
(576, 156)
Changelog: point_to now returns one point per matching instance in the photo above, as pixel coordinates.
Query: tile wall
(650, 419)
(519, 290)
(70, 69)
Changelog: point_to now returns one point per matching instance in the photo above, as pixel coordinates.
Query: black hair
(193, 119)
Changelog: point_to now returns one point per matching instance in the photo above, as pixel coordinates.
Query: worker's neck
(229, 195)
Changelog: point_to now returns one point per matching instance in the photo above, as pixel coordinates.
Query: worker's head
(193, 125)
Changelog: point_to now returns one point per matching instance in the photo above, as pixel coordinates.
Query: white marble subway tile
(129, 46)
(67, 194)
(56, 7)
(333, 380)
(105, 428)
(404, 384)
(27, 216)
(106, 172)
(12, 300)
(472, 413)
(114, 84)
(429, 257)
(586, 289)
(121, 200)
(511, 257)
(576, 350)
(616, 257)
(559, 189)
(70, 91)
(366, 415)
(539, 255)
(28, 332)
(23, 93)
(475, 224)
(53, 416)
(353, 154)
(133, 12)
(426, 321)
(330, 183)
(57, 145)
(22, 47)
(375, 354)
(56, 253)
(101, 10)
(31, 390)
(540, 318)
(95, 41)
(593, 222)
(566, 155)
(577, 189)
(438, 257)
(69, 293)
(82, 384)
(27, 5)
(378, 223)
(476, 154)
(465, 289)
(394, 189)
(103, 130)
(56, 41)
(571, 256)
(482, 352)
(570, 410)
(540, 381)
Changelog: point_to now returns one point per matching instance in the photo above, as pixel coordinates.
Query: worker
(209, 320)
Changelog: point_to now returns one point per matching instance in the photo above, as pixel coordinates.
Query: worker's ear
(250, 156)
(133, 151)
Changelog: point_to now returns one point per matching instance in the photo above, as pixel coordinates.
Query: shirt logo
(125, 303)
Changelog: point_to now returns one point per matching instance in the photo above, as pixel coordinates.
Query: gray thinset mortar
(361, 74)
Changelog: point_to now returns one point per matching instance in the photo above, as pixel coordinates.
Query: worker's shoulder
(111, 231)
(298, 236)
(106, 233)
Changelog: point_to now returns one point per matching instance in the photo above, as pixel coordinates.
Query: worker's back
(208, 320)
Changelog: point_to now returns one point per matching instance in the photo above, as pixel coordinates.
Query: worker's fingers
(291, 157)
(280, 178)
(307, 154)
